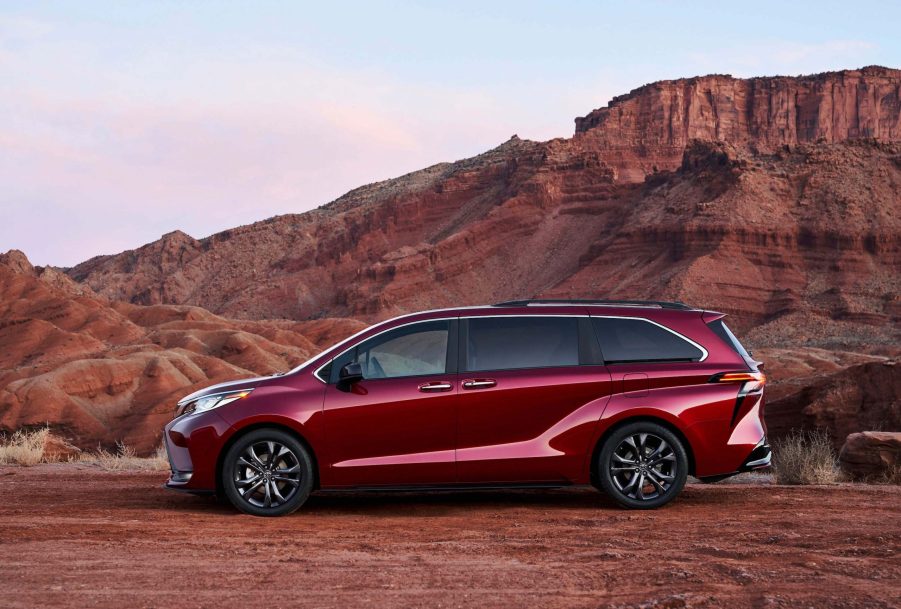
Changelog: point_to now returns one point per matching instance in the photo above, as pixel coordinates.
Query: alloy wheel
(643, 466)
(267, 474)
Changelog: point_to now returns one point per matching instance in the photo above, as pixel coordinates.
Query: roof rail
(550, 301)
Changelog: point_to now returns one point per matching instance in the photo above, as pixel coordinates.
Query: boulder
(872, 454)
(58, 449)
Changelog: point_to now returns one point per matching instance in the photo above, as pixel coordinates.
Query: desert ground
(73, 535)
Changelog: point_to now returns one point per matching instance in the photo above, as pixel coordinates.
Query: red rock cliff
(649, 127)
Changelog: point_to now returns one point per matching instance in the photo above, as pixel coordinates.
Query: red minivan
(629, 396)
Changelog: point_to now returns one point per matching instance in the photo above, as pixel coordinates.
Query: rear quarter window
(720, 328)
(625, 341)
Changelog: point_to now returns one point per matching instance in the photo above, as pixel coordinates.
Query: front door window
(420, 350)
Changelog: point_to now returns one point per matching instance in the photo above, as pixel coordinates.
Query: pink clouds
(113, 169)
(139, 169)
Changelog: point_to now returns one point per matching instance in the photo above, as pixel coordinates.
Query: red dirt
(71, 535)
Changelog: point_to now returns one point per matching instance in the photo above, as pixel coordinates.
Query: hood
(222, 387)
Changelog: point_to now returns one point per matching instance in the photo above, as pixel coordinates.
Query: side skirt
(447, 488)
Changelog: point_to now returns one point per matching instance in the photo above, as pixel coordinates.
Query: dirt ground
(75, 536)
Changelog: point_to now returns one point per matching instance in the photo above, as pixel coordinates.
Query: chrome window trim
(300, 367)
(418, 321)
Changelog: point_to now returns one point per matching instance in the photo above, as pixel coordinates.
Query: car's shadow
(420, 503)
(436, 501)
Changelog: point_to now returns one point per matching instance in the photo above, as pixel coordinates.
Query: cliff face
(861, 397)
(649, 127)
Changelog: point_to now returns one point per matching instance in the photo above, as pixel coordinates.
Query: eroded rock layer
(103, 372)
(647, 129)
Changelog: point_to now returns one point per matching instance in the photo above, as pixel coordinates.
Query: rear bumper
(759, 458)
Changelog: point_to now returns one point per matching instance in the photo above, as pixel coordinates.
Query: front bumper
(193, 444)
(177, 477)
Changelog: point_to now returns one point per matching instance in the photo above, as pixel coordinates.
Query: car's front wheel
(642, 465)
(268, 472)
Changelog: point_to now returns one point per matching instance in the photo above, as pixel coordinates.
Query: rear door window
(509, 343)
(625, 341)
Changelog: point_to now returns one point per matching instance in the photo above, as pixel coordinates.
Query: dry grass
(26, 447)
(123, 458)
(23, 447)
(892, 475)
(805, 458)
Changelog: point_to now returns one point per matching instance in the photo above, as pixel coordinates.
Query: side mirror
(350, 374)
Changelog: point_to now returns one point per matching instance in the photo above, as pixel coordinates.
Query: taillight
(749, 383)
(739, 377)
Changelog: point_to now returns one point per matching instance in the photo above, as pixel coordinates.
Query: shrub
(805, 457)
(123, 458)
(23, 447)
(27, 447)
(892, 475)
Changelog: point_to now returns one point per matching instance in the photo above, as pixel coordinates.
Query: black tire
(642, 465)
(264, 486)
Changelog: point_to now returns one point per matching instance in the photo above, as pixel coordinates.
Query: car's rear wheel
(268, 472)
(642, 465)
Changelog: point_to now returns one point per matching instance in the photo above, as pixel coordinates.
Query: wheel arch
(265, 425)
(595, 453)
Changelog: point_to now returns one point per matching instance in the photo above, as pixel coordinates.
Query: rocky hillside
(746, 199)
(101, 372)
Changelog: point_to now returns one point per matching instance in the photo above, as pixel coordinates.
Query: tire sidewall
(261, 435)
(614, 440)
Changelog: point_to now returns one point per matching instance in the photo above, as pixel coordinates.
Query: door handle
(479, 383)
(435, 386)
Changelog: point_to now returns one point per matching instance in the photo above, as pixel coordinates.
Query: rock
(18, 261)
(854, 399)
(872, 454)
(58, 449)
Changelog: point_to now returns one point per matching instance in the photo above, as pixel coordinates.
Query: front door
(396, 427)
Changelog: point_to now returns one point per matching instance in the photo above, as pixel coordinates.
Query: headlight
(209, 402)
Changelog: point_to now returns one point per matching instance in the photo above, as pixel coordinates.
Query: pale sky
(121, 121)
